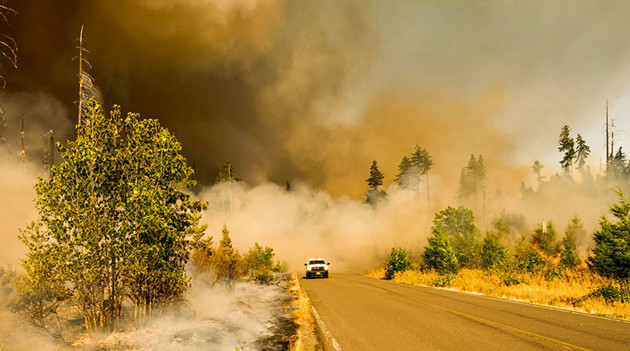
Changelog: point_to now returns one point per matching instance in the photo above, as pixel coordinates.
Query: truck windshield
(317, 262)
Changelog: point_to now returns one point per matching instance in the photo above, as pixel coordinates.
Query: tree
(227, 174)
(375, 194)
(611, 252)
(259, 264)
(226, 177)
(398, 261)
(472, 178)
(544, 238)
(567, 146)
(114, 222)
(618, 166)
(402, 178)
(493, 252)
(458, 225)
(412, 168)
(226, 258)
(439, 254)
(537, 167)
(582, 151)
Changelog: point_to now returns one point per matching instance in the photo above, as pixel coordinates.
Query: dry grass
(571, 290)
(306, 340)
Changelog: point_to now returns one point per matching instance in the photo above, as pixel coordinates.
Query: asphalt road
(369, 314)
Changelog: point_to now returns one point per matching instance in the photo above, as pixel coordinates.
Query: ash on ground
(241, 316)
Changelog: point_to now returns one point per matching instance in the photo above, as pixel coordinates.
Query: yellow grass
(305, 339)
(570, 291)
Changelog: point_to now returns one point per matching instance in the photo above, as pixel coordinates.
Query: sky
(311, 92)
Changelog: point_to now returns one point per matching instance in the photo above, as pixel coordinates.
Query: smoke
(219, 318)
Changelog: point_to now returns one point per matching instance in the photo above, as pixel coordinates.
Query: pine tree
(567, 146)
(439, 254)
(402, 178)
(226, 258)
(472, 178)
(375, 194)
(544, 238)
(537, 167)
(227, 176)
(582, 151)
(611, 252)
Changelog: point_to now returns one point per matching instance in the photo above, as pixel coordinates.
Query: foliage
(569, 257)
(398, 261)
(612, 293)
(458, 225)
(113, 221)
(259, 264)
(439, 254)
(544, 238)
(472, 178)
(412, 168)
(226, 260)
(582, 151)
(566, 145)
(529, 260)
(611, 252)
(375, 194)
(227, 174)
(537, 167)
(493, 252)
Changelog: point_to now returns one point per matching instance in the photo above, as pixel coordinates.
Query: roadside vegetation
(540, 269)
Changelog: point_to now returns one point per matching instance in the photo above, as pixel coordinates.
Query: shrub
(259, 264)
(398, 261)
(439, 254)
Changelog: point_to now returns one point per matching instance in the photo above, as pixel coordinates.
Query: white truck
(317, 267)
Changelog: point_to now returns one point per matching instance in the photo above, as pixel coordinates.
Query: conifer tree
(566, 145)
(544, 238)
(537, 167)
(611, 253)
(458, 225)
(375, 194)
(582, 151)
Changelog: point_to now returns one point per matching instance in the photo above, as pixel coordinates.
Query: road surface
(369, 314)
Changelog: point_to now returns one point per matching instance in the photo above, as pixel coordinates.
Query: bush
(439, 254)
(493, 253)
(398, 261)
(259, 264)
(443, 281)
(612, 293)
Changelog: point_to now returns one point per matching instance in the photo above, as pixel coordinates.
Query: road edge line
(327, 340)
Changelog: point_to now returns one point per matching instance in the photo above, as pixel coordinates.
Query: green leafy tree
(566, 145)
(439, 254)
(398, 261)
(458, 225)
(611, 253)
(259, 264)
(114, 221)
(544, 238)
(493, 253)
(375, 194)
